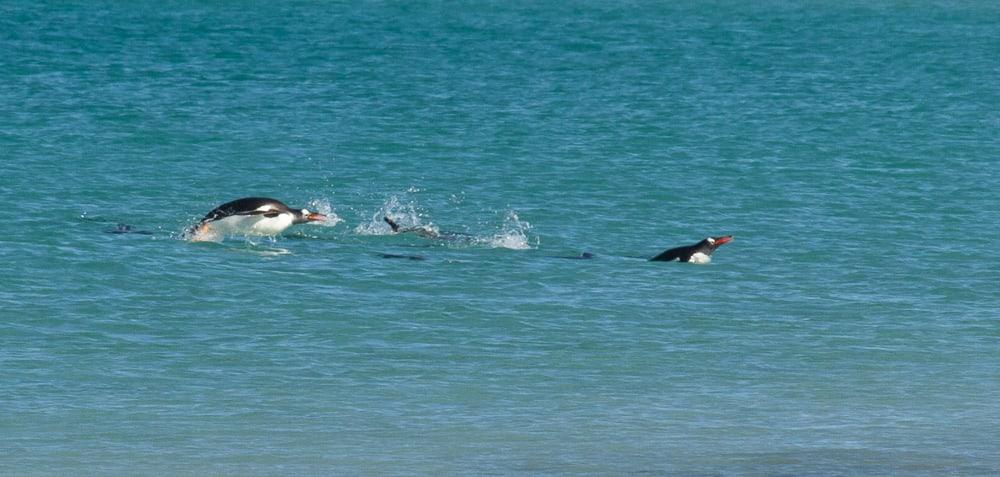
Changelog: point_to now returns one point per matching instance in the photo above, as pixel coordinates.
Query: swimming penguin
(428, 232)
(698, 253)
(421, 230)
(251, 216)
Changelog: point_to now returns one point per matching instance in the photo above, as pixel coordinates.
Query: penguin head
(715, 242)
(303, 216)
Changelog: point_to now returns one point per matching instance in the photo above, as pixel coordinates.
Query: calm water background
(852, 328)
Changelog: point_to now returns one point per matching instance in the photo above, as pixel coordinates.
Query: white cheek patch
(710, 240)
(700, 258)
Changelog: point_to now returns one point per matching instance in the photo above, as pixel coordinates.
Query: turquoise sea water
(851, 328)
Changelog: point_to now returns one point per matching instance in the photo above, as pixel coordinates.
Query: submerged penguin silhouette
(127, 229)
(700, 252)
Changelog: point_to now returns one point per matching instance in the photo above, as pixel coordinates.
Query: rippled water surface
(851, 328)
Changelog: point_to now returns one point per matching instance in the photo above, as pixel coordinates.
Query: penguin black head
(303, 216)
(714, 242)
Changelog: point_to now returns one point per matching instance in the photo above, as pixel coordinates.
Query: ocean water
(851, 328)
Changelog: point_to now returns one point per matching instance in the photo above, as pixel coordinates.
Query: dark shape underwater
(127, 229)
(415, 258)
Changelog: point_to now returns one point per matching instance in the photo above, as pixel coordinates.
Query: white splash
(699, 259)
(405, 215)
(323, 206)
(513, 234)
(202, 233)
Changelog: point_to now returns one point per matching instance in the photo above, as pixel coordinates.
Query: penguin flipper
(393, 225)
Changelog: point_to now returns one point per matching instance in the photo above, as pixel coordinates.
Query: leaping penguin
(250, 216)
(700, 252)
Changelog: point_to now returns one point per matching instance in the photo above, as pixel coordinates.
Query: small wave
(266, 251)
(252, 244)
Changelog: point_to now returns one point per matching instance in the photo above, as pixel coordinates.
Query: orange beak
(723, 239)
(316, 217)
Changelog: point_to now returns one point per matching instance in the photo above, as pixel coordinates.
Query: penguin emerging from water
(250, 216)
(700, 252)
